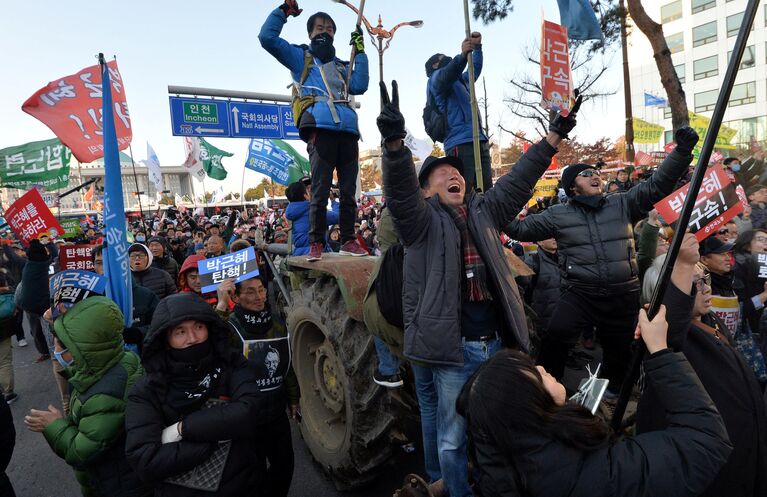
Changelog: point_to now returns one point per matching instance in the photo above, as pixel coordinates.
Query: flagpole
(242, 188)
(138, 190)
(474, 108)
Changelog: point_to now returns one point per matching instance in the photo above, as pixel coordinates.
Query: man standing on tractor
(321, 110)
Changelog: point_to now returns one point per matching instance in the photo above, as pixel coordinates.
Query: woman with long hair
(751, 291)
(529, 441)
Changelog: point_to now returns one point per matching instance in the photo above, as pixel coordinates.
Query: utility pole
(627, 86)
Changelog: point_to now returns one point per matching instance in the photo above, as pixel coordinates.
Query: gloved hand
(290, 8)
(358, 41)
(685, 139)
(391, 122)
(133, 335)
(562, 125)
(37, 251)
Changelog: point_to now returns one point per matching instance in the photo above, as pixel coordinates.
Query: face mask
(322, 47)
(140, 238)
(735, 167)
(444, 61)
(64, 363)
(192, 354)
(731, 240)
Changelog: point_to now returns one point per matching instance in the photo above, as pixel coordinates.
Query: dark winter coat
(7, 443)
(680, 460)
(33, 292)
(237, 420)
(167, 264)
(92, 437)
(758, 216)
(596, 244)
(747, 285)
(733, 389)
(298, 214)
(144, 304)
(156, 280)
(434, 259)
(546, 287)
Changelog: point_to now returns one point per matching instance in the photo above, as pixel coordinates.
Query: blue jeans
(450, 427)
(388, 364)
(427, 402)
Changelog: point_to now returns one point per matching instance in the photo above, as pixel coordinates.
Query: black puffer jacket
(433, 258)
(546, 287)
(7, 443)
(148, 412)
(596, 243)
(680, 460)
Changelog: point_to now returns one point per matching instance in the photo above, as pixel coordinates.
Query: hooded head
(436, 61)
(190, 282)
(140, 257)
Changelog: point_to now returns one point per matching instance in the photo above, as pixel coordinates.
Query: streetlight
(379, 33)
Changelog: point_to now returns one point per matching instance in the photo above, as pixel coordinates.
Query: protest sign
(716, 204)
(544, 188)
(556, 78)
(71, 108)
(271, 358)
(761, 265)
(71, 227)
(645, 132)
(240, 266)
(727, 309)
(29, 217)
(76, 257)
(44, 163)
(276, 159)
(70, 287)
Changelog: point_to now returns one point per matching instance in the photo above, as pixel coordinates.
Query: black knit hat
(432, 60)
(569, 174)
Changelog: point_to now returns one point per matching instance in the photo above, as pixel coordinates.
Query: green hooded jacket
(92, 437)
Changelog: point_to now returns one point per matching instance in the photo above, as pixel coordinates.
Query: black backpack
(434, 120)
(388, 285)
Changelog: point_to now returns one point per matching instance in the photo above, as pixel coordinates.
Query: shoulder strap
(308, 63)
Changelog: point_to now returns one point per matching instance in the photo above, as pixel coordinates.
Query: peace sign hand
(391, 122)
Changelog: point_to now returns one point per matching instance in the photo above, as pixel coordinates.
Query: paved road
(36, 472)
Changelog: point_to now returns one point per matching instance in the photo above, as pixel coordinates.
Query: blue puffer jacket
(298, 214)
(292, 57)
(450, 88)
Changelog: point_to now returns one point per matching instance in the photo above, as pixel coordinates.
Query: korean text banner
(29, 217)
(70, 287)
(266, 157)
(239, 266)
(645, 132)
(716, 204)
(76, 257)
(760, 262)
(71, 108)
(71, 227)
(544, 188)
(726, 309)
(44, 163)
(556, 79)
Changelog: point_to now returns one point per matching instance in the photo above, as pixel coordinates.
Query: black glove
(133, 335)
(391, 122)
(562, 125)
(358, 41)
(686, 138)
(290, 8)
(37, 251)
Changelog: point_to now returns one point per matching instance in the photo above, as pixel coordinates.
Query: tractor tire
(346, 417)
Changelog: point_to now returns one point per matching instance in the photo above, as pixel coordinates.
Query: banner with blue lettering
(116, 266)
(267, 158)
(240, 266)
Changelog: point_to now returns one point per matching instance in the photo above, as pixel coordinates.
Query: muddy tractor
(351, 425)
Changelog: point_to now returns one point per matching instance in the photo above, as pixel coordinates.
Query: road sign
(199, 117)
(260, 120)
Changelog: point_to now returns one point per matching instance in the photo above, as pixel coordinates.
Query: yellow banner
(645, 132)
(544, 188)
(700, 125)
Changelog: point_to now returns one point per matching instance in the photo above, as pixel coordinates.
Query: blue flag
(651, 100)
(579, 19)
(267, 157)
(116, 265)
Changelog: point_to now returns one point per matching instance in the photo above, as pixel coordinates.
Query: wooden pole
(474, 107)
(627, 87)
(354, 51)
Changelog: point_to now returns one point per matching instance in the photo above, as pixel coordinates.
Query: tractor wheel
(346, 419)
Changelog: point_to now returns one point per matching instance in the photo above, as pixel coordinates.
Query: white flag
(193, 162)
(419, 148)
(218, 195)
(152, 164)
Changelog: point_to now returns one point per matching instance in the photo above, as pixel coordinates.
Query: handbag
(749, 349)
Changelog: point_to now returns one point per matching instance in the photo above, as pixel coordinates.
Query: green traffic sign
(200, 113)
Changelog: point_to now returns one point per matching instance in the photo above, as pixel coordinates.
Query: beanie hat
(569, 174)
(429, 63)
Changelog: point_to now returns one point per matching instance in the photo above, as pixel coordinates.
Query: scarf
(474, 270)
(190, 385)
(256, 323)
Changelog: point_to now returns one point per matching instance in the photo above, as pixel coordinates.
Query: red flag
(642, 158)
(89, 194)
(556, 78)
(71, 108)
(669, 147)
(29, 217)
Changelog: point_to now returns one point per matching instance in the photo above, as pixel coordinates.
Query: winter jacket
(144, 304)
(747, 285)
(733, 389)
(647, 246)
(450, 89)
(298, 214)
(16, 263)
(33, 292)
(167, 264)
(433, 259)
(7, 443)
(92, 437)
(680, 460)
(237, 419)
(546, 287)
(156, 280)
(596, 243)
(292, 56)
(758, 216)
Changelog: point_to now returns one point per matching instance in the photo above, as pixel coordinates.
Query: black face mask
(322, 47)
(192, 354)
(444, 61)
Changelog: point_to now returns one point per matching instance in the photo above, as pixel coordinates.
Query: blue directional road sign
(289, 129)
(259, 120)
(199, 117)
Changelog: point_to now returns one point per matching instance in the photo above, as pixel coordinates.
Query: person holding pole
(448, 86)
(326, 121)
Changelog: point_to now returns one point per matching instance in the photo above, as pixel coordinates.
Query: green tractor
(351, 425)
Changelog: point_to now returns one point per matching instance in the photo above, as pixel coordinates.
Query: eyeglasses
(723, 231)
(760, 239)
(138, 255)
(701, 283)
(588, 173)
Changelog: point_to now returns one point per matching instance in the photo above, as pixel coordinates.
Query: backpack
(388, 285)
(299, 104)
(434, 119)
(7, 305)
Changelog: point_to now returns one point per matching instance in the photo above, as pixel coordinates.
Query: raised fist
(290, 8)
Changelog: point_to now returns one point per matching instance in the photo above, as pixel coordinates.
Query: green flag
(44, 163)
(299, 167)
(71, 227)
(211, 157)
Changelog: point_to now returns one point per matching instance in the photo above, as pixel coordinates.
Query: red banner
(716, 204)
(75, 257)
(556, 78)
(71, 107)
(29, 218)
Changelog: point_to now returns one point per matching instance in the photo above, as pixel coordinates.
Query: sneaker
(11, 398)
(315, 252)
(22, 343)
(391, 381)
(353, 248)
(43, 357)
